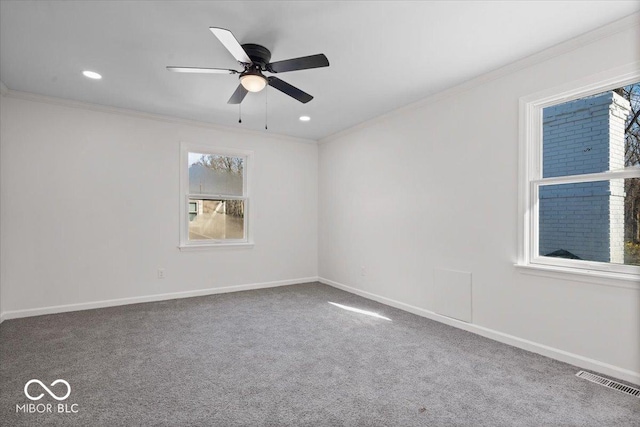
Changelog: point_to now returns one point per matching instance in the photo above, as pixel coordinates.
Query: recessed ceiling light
(92, 75)
(305, 118)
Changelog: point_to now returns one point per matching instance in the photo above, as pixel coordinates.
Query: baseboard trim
(16, 314)
(553, 353)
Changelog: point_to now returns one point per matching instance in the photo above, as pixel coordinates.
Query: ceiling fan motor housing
(260, 55)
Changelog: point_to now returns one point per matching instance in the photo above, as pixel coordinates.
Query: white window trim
(529, 177)
(185, 243)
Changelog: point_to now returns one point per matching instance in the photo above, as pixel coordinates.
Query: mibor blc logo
(48, 408)
(58, 381)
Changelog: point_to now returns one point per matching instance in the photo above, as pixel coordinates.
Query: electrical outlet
(161, 273)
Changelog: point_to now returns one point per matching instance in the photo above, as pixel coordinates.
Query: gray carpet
(286, 357)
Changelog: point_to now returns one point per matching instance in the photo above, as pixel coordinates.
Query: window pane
(216, 219)
(592, 221)
(632, 221)
(215, 175)
(585, 136)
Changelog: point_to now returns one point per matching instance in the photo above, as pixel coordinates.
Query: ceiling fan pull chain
(239, 113)
(266, 104)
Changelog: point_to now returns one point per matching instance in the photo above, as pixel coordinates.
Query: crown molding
(34, 97)
(559, 49)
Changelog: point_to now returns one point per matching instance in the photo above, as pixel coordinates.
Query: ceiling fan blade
(229, 41)
(303, 63)
(238, 95)
(202, 70)
(292, 91)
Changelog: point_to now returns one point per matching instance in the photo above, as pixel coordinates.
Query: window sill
(214, 246)
(619, 280)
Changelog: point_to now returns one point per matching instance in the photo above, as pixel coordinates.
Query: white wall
(90, 204)
(436, 186)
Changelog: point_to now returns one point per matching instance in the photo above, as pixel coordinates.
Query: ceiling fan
(255, 58)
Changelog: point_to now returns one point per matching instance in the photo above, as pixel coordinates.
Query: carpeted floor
(286, 357)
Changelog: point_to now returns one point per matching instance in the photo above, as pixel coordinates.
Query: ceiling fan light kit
(254, 59)
(253, 81)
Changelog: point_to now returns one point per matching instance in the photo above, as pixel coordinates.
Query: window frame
(185, 196)
(530, 176)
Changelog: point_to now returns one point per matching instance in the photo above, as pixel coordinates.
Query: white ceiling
(383, 55)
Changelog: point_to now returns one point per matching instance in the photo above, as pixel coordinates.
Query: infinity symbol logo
(52, 394)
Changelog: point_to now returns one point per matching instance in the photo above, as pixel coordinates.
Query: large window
(214, 197)
(580, 179)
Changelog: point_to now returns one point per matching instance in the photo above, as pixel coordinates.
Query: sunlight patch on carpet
(357, 310)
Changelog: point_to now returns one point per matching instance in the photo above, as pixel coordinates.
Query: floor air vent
(608, 383)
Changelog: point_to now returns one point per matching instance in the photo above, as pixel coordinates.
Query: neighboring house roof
(204, 180)
(561, 253)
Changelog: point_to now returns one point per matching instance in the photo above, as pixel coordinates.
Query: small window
(582, 187)
(214, 198)
(193, 210)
